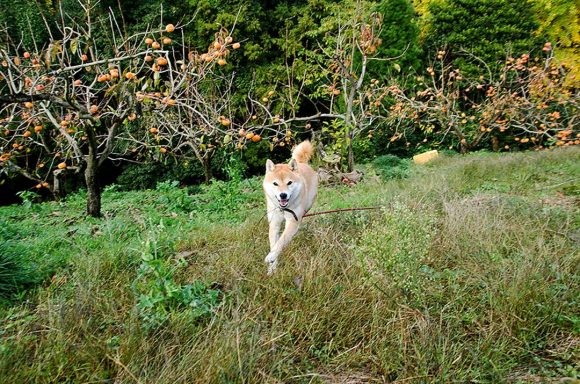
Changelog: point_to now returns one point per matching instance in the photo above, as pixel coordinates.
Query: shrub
(400, 38)
(147, 175)
(391, 167)
(395, 251)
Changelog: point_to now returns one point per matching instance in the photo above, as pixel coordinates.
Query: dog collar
(291, 211)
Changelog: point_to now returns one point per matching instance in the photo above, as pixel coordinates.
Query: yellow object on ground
(425, 157)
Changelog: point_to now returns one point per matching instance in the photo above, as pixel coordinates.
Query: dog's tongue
(283, 203)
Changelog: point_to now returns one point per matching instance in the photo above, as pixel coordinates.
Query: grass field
(468, 272)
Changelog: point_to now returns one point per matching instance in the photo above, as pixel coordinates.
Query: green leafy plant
(159, 295)
(391, 167)
(226, 198)
(396, 251)
(173, 197)
(28, 198)
(485, 28)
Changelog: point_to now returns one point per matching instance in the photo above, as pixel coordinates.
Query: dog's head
(282, 182)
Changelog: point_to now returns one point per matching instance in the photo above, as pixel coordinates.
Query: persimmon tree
(195, 117)
(78, 100)
(525, 105)
(345, 100)
(68, 103)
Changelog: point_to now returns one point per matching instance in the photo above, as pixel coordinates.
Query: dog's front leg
(275, 221)
(290, 230)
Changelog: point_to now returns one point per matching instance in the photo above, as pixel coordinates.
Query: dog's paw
(271, 269)
(272, 261)
(271, 258)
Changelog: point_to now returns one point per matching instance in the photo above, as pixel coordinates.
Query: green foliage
(334, 132)
(290, 42)
(235, 169)
(140, 176)
(28, 198)
(484, 28)
(147, 175)
(400, 39)
(559, 21)
(560, 24)
(254, 157)
(17, 270)
(396, 251)
(392, 167)
(174, 198)
(14, 276)
(226, 199)
(21, 21)
(160, 296)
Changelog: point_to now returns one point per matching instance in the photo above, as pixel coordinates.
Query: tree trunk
(91, 179)
(93, 187)
(495, 143)
(206, 164)
(463, 147)
(350, 163)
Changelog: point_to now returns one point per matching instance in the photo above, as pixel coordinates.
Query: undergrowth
(159, 295)
(467, 272)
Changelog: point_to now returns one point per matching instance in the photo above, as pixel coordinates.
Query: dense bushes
(392, 167)
(147, 175)
(400, 40)
(487, 29)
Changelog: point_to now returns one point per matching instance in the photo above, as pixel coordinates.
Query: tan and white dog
(290, 191)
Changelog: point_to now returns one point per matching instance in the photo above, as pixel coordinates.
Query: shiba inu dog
(290, 191)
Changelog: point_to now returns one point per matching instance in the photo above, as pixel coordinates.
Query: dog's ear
(293, 165)
(269, 165)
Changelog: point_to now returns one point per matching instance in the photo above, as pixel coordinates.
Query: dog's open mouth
(283, 203)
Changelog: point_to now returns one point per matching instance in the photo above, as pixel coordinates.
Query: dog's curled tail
(303, 152)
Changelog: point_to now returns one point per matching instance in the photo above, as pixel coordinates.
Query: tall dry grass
(468, 273)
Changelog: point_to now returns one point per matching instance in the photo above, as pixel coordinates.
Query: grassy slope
(468, 272)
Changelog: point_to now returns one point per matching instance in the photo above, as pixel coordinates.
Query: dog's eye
(275, 183)
(288, 183)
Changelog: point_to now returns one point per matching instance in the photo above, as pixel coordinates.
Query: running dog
(290, 191)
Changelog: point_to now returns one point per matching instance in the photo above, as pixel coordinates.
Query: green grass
(468, 273)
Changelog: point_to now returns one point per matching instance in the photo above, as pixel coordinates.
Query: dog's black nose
(283, 196)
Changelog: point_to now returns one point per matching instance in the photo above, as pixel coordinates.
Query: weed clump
(392, 167)
(159, 295)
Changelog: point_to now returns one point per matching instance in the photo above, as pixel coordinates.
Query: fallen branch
(342, 210)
